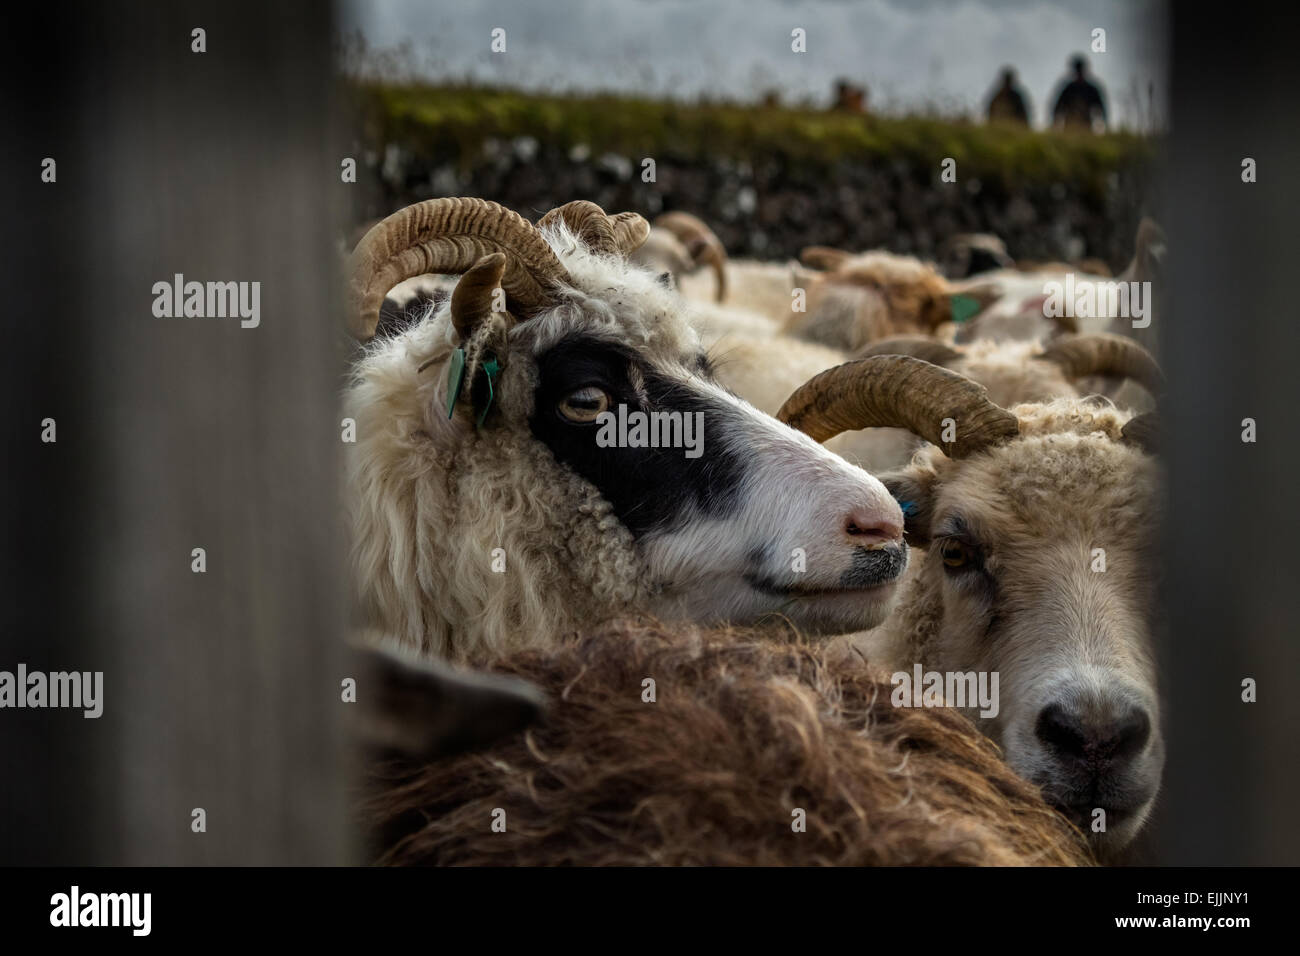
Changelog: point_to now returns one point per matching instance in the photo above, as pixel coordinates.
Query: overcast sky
(909, 53)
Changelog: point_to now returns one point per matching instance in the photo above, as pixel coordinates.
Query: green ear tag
(963, 308)
(455, 379)
(490, 368)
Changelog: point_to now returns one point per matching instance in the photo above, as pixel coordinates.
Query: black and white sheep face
(737, 517)
(1040, 569)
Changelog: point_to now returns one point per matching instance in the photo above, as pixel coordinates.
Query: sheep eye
(955, 554)
(584, 405)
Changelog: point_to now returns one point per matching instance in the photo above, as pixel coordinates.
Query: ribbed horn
(1106, 354)
(703, 244)
(916, 346)
(1143, 431)
(588, 222)
(448, 237)
(898, 391)
(630, 231)
(602, 234)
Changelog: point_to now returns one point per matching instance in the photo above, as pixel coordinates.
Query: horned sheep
(681, 244)
(766, 370)
(1024, 312)
(1068, 367)
(488, 515)
(858, 299)
(1035, 528)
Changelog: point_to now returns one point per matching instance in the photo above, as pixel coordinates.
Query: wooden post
(1230, 338)
(221, 674)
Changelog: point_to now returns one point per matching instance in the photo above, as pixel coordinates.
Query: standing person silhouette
(1080, 104)
(1008, 104)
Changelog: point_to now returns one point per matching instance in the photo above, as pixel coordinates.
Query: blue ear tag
(963, 308)
(455, 379)
(491, 368)
(909, 507)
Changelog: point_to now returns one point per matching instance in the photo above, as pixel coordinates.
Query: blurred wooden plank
(222, 688)
(1230, 344)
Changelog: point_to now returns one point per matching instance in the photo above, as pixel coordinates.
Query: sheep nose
(867, 526)
(1097, 744)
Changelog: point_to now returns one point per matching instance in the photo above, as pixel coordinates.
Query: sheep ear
(422, 709)
(476, 292)
(914, 489)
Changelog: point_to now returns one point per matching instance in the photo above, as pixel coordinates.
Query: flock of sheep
(625, 655)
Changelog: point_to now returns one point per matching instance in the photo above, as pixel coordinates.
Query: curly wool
(1009, 372)
(1068, 450)
(470, 542)
(743, 732)
(872, 296)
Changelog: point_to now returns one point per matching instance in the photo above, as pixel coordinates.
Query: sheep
(753, 286)
(1022, 312)
(716, 322)
(1088, 264)
(1145, 267)
(764, 371)
(750, 752)
(1035, 528)
(500, 487)
(859, 299)
(969, 253)
(1015, 372)
(1016, 313)
(681, 244)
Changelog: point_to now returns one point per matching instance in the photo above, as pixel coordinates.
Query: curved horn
(1106, 354)
(705, 247)
(602, 234)
(916, 346)
(449, 236)
(714, 256)
(901, 392)
(825, 258)
(630, 231)
(587, 221)
(1143, 431)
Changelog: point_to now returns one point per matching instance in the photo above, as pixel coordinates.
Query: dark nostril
(1061, 731)
(1131, 733)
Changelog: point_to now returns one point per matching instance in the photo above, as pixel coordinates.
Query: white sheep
(491, 511)
(1028, 307)
(681, 245)
(1036, 532)
(858, 299)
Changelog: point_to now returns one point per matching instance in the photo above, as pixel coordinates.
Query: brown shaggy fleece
(743, 732)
